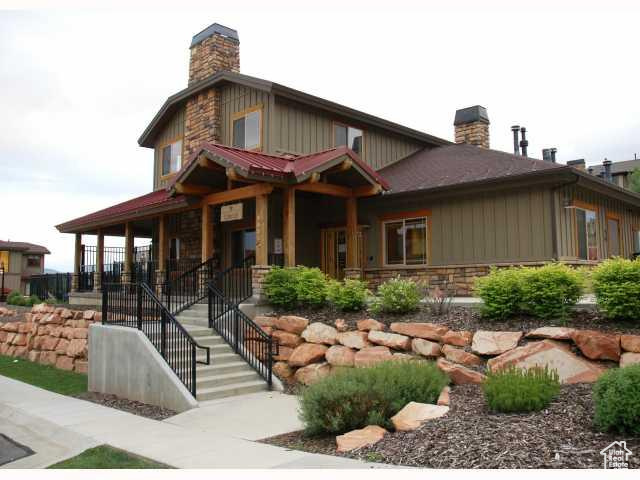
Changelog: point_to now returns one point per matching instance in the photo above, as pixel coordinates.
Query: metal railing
(246, 337)
(135, 305)
(234, 283)
(188, 288)
(48, 285)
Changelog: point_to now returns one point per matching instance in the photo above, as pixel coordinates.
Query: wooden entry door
(333, 251)
(613, 237)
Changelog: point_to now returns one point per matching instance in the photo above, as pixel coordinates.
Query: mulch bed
(130, 406)
(470, 436)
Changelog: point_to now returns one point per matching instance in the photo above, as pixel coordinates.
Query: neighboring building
(244, 166)
(21, 260)
(617, 173)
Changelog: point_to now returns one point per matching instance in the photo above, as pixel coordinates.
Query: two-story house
(19, 261)
(247, 167)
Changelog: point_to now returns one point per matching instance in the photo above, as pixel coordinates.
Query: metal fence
(51, 285)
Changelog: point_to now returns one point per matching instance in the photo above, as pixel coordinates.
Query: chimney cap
(579, 161)
(470, 115)
(607, 162)
(212, 30)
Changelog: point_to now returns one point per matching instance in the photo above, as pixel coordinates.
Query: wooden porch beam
(352, 232)
(326, 189)
(289, 226)
(77, 258)
(367, 190)
(204, 162)
(162, 242)
(188, 189)
(207, 234)
(262, 233)
(237, 194)
(128, 247)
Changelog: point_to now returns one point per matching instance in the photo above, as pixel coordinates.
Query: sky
(78, 87)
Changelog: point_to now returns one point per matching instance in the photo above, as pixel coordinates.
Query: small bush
(550, 291)
(296, 286)
(356, 397)
(616, 395)
(616, 283)
(16, 298)
(517, 390)
(397, 296)
(311, 287)
(350, 295)
(501, 292)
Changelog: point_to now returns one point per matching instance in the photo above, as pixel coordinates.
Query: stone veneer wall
(212, 55)
(202, 121)
(476, 133)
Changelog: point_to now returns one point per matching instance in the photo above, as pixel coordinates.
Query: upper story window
(172, 158)
(349, 136)
(4, 260)
(587, 233)
(33, 261)
(405, 241)
(247, 129)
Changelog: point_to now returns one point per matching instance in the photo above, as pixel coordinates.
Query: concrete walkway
(59, 427)
(585, 302)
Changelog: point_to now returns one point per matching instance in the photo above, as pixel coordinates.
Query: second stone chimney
(472, 126)
(214, 49)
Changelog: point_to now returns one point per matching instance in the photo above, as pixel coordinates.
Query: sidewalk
(55, 420)
(585, 302)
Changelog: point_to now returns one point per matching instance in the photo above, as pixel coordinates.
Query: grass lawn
(107, 457)
(43, 376)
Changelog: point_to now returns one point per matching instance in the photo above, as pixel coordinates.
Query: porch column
(352, 236)
(262, 233)
(207, 233)
(289, 227)
(162, 249)
(97, 276)
(128, 249)
(77, 258)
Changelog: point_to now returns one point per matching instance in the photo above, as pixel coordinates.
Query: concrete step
(230, 390)
(196, 330)
(218, 380)
(223, 368)
(194, 321)
(215, 350)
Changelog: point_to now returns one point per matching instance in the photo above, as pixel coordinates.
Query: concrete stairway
(228, 374)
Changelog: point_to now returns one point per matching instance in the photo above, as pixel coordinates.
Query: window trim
(577, 204)
(614, 216)
(243, 113)
(160, 147)
(635, 232)
(403, 217)
(342, 124)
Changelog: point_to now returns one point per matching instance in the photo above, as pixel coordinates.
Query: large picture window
(587, 228)
(349, 136)
(246, 130)
(405, 241)
(172, 158)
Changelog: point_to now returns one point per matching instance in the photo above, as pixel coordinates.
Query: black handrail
(188, 288)
(235, 283)
(245, 336)
(135, 305)
(46, 285)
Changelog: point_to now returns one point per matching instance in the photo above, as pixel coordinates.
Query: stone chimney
(472, 126)
(213, 50)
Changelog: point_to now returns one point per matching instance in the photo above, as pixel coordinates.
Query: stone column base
(97, 282)
(258, 273)
(353, 273)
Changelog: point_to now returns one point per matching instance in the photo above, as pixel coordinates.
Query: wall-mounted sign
(277, 246)
(231, 212)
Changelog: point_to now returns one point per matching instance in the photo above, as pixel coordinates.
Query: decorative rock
(10, 327)
(50, 343)
(458, 355)
(554, 333)
(80, 333)
(264, 320)
(307, 353)
(364, 437)
(597, 345)
(430, 331)
(461, 338)
(66, 314)
(19, 340)
(391, 340)
(459, 374)
(414, 414)
(283, 371)
(77, 348)
(97, 317)
(443, 398)
(61, 348)
(33, 356)
(287, 339)
(291, 323)
(494, 343)
(340, 356)
(81, 366)
(357, 340)
(630, 343)
(341, 325)
(310, 374)
(425, 347)
(283, 353)
(88, 314)
(370, 324)
(48, 358)
(629, 358)
(552, 354)
(369, 356)
(405, 357)
(318, 332)
(64, 363)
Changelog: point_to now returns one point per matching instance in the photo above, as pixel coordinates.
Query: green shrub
(16, 298)
(296, 286)
(311, 287)
(616, 395)
(517, 390)
(350, 295)
(356, 397)
(550, 291)
(397, 296)
(616, 283)
(501, 292)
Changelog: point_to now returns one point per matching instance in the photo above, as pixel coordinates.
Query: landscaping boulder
(287, 339)
(630, 343)
(494, 343)
(265, 321)
(597, 345)
(48, 358)
(283, 353)
(458, 355)
(552, 354)
(340, 356)
(77, 348)
(425, 347)
(391, 340)
(283, 371)
(318, 332)
(443, 398)
(358, 340)
(459, 374)
(88, 314)
(430, 331)
(64, 363)
(310, 374)
(61, 348)
(10, 327)
(33, 356)
(364, 437)
(370, 324)
(291, 324)
(369, 356)
(414, 414)
(341, 325)
(461, 338)
(553, 333)
(629, 358)
(307, 353)
(81, 366)
(50, 343)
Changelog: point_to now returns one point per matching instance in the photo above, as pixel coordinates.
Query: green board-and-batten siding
(237, 98)
(173, 130)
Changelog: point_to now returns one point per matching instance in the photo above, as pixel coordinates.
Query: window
(586, 226)
(174, 249)
(636, 242)
(172, 158)
(349, 136)
(4, 261)
(244, 245)
(246, 130)
(405, 241)
(613, 237)
(33, 261)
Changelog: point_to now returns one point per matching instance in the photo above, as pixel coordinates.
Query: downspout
(554, 217)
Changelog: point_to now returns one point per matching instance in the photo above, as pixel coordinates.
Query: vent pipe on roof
(549, 154)
(554, 150)
(590, 170)
(607, 170)
(516, 146)
(524, 143)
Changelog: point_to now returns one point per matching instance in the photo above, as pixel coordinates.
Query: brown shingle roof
(25, 247)
(454, 165)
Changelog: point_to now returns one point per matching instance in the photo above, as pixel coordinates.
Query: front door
(333, 251)
(613, 226)
(243, 245)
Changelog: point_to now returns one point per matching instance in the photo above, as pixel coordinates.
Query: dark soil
(470, 436)
(465, 318)
(130, 406)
